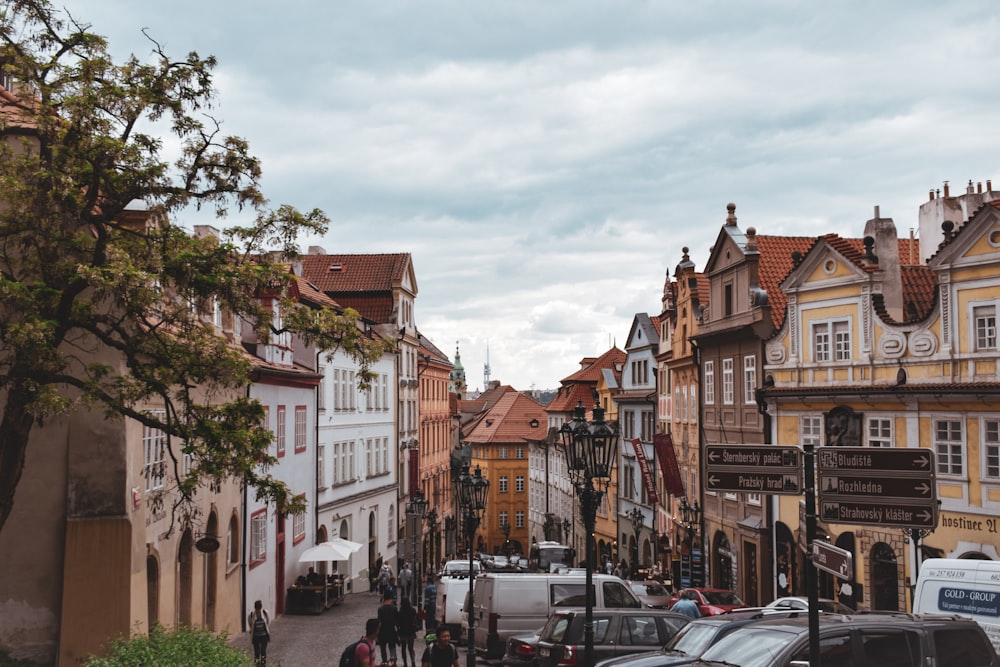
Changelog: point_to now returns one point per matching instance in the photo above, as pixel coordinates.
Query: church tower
(456, 378)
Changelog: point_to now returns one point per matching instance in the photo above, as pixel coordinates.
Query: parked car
(881, 639)
(522, 651)
(824, 604)
(616, 632)
(711, 601)
(694, 639)
(651, 593)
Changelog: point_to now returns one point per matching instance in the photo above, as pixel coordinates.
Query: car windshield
(652, 588)
(749, 646)
(693, 638)
(722, 597)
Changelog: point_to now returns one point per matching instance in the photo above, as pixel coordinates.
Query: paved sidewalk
(308, 640)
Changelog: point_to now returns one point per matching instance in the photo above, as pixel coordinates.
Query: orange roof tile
(568, 396)
(355, 273)
(774, 265)
(508, 420)
(592, 371)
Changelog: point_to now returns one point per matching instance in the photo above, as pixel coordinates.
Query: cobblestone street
(318, 640)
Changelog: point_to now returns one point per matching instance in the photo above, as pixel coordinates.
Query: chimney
(316, 250)
(931, 198)
(884, 248)
(946, 189)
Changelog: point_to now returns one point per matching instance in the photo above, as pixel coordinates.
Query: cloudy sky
(545, 162)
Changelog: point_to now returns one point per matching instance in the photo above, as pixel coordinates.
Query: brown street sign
(878, 487)
(878, 514)
(834, 560)
(891, 460)
(753, 482)
(753, 469)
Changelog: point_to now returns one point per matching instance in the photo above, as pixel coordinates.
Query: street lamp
(416, 508)
(505, 529)
(691, 518)
(432, 519)
(590, 456)
(637, 518)
(472, 490)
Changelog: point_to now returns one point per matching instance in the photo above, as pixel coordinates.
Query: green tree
(100, 290)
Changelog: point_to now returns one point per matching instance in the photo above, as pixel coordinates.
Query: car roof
(572, 611)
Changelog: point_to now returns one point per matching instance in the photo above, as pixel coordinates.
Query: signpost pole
(811, 578)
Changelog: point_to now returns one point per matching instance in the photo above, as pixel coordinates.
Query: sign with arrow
(877, 486)
(834, 560)
(766, 469)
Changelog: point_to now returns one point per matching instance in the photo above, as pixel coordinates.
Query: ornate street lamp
(416, 509)
(591, 450)
(691, 518)
(432, 520)
(472, 491)
(505, 529)
(637, 519)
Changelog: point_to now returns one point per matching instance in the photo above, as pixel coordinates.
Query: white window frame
(880, 431)
(298, 526)
(728, 389)
(504, 485)
(832, 340)
(811, 430)
(519, 484)
(948, 449)
(709, 382)
(749, 378)
(519, 519)
(983, 317)
(989, 428)
(258, 537)
(154, 446)
(320, 466)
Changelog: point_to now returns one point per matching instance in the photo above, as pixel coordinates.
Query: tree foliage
(101, 292)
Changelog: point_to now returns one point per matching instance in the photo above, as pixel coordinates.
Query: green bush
(184, 647)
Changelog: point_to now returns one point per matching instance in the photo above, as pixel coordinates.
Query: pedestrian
(392, 589)
(686, 605)
(430, 603)
(374, 574)
(259, 624)
(409, 623)
(388, 632)
(608, 567)
(383, 577)
(406, 579)
(364, 652)
(442, 653)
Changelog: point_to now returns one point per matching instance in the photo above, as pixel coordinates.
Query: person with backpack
(388, 632)
(259, 624)
(362, 652)
(442, 653)
(409, 623)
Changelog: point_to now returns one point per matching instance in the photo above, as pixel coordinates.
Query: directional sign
(834, 560)
(753, 469)
(754, 482)
(878, 514)
(877, 486)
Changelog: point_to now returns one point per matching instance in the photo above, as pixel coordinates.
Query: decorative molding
(892, 345)
(923, 343)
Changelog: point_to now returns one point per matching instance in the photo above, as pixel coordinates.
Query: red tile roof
(591, 372)
(508, 420)
(355, 273)
(13, 114)
(569, 395)
(774, 265)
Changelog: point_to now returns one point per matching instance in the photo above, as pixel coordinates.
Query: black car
(616, 632)
(879, 639)
(695, 638)
(522, 651)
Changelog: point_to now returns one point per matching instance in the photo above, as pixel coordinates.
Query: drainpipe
(243, 554)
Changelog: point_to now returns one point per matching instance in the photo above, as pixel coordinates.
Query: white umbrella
(336, 549)
(326, 551)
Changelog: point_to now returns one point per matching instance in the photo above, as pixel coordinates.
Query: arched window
(233, 541)
(152, 590)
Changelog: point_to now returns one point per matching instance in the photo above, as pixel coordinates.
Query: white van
(451, 593)
(970, 588)
(517, 603)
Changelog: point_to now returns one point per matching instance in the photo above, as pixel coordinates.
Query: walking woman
(259, 625)
(409, 623)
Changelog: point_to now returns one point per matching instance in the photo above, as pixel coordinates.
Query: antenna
(486, 369)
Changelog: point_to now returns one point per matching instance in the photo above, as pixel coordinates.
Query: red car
(711, 601)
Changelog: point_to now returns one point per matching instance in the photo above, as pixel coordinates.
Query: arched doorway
(722, 561)
(211, 573)
(185, 577)
(784, 558)
(885, 578)
(320, 538)
(152, 591)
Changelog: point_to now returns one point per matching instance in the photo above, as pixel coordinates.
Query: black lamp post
(691, 518)
(566, 525)
(637, 519)
(591, 449)
(472, 491)
(432, 520)
(416, 509)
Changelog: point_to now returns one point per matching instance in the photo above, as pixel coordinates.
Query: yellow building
(879, 351)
